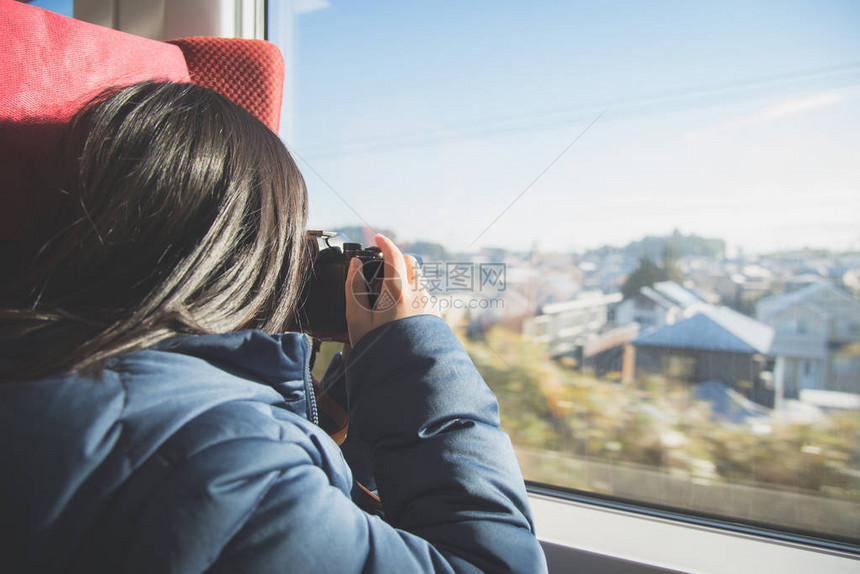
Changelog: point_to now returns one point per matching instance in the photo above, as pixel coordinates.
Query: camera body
(322, 306)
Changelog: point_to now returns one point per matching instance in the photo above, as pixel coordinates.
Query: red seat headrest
(49, 66)
(248, 72)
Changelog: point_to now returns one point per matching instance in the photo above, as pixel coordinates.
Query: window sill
(574, 533)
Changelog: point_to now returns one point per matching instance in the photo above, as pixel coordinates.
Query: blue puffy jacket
(201, 454)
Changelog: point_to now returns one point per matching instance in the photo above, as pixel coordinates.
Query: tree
(671, 253)
(646, 274)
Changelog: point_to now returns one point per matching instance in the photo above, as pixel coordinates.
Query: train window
(627, 211)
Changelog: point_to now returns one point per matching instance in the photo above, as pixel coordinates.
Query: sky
(473, 123)
(570, 125)
(64, 7)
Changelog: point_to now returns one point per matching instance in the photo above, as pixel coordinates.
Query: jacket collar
(281, 361)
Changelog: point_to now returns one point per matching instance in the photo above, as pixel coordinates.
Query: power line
(535, 180)
(560, 117)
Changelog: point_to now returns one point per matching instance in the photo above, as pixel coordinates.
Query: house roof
(805, 296)
(654, 298)
(728, 404)
(584, 301)
(712, 329)
(676, 294)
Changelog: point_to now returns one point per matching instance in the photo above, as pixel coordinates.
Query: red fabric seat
(51, 64)
(249, 72)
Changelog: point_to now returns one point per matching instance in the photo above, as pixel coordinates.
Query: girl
(155, 418)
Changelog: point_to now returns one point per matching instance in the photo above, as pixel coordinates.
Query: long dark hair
(181, 214)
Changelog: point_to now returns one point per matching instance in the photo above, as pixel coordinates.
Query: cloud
(305, 6)
(803, 105)
(789, 108)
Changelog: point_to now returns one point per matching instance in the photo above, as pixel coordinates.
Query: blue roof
(728, 404)
(713, 329)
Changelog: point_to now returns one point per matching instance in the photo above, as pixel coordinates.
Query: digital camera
(322, 306)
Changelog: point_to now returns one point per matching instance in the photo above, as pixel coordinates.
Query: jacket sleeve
(445, 471)
(452, 492)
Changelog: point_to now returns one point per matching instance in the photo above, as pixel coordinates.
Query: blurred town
(781, 330)
(668, 372)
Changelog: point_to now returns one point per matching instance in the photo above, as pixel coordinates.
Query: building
(816, 342)
(570, 325)
(715, 344)
(660, 304)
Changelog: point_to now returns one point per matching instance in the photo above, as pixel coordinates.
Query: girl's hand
(401, 295)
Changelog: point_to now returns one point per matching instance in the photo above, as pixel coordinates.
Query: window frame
(696, 519)
(623, 537)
